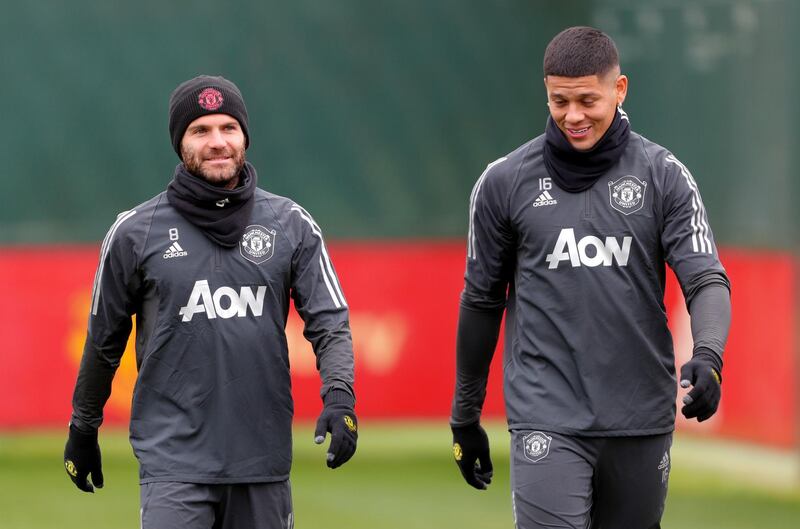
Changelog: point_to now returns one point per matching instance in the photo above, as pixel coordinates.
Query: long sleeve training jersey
(582, 275)
(212, 402)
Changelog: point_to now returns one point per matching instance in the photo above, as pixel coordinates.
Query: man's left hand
(340, 420)
(704, 373)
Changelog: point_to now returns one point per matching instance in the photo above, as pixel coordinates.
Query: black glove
(704, 372)
(338, 418)
(81, 458)
(471, 445)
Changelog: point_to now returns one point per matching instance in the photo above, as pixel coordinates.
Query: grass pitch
(402, 476)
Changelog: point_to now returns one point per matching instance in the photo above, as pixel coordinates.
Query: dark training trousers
(173, 505)
(560, 481)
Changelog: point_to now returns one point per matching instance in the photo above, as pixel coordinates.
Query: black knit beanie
(201, 96)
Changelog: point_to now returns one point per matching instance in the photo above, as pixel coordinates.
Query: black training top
(212, 402)
(587, 348)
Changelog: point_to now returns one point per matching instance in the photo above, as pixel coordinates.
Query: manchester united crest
(536, 446)
(257, 244)
(210, 99)
(627, 194)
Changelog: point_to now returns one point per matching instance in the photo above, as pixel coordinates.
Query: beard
(227, 176)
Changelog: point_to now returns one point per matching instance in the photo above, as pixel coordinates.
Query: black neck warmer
(575, 170)
(222, 214)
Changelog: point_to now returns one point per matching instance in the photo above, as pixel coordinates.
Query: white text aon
(225, 302)
(589, 251)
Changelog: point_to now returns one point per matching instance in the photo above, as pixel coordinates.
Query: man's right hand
(471, 451)
(81, 458)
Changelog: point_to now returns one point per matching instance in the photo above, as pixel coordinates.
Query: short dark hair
(580, 51)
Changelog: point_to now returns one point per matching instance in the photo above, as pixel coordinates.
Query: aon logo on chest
(589, 251)
(225, 302)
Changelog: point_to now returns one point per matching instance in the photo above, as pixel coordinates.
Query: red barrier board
(403, 298)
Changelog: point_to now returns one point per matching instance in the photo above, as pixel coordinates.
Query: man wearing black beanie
(208, 267)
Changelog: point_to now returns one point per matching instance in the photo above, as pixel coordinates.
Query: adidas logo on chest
(175, 250)
(544, 199)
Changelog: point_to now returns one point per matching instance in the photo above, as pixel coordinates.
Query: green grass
(402, 476)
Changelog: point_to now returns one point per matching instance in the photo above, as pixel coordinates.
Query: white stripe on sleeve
(472, 200)
(98, 277)
(328, 284)
(326, 267)
(700, 241)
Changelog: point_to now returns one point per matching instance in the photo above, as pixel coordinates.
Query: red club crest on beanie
(210, 99)
(201, 96)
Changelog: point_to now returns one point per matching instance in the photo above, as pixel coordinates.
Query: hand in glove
(471, 451)
(82, 458)
(339, 419)
(704, 373)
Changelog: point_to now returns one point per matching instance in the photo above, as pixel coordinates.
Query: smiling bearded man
(209, 268)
